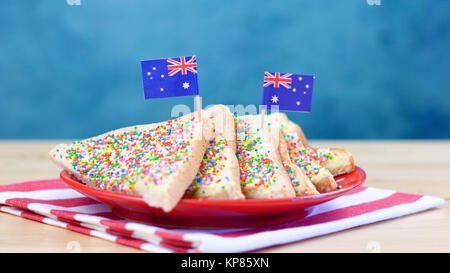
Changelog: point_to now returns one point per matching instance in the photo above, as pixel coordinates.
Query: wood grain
(410, 166)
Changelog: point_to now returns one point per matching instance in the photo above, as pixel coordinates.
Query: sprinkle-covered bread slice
(336, 160)
(300, 181)
(294, 126)
(339, 161)
(157, 161)
(262, 172)
(304, 156)
(218, 176)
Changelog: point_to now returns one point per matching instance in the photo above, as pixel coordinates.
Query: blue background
(74, 71)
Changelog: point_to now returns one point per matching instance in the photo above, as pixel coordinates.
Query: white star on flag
(185, 85)
(288, 92)
(274, 99)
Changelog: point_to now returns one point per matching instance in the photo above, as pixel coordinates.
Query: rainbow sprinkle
(295, 182)
(257, 169)
(305, 157)
(115, 161)
(212, 164)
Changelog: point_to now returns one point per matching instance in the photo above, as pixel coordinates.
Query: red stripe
(130, 242)
(136, 243)
(278, 80)
(173, 248)
(177, 238)
(122, 233)
(79, 229)
(173, 238)
(48, 184)
(172, 61)
(183, 244)
(173, 72)
(67, 203)
(32, 216)
(64, 214)
(181, 66)
(71, 214)
(114, 225)
(73, 226)
(335, 215)
(170, 236)
(192, 59)
(74, 222)
(192, 70)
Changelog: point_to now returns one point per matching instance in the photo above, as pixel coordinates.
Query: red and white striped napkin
(53, 203)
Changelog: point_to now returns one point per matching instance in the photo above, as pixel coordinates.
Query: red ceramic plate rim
(75, 184)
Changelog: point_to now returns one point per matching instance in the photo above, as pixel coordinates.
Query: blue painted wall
(74, 72)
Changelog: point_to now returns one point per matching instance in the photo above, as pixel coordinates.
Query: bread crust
(299, 154)
(170, 188)
(262, 172)
(341, 160)
(300, 181)
(218, 176)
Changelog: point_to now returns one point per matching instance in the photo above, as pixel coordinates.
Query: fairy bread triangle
(157, 161)
(262, 172)
(304, 156)
(336, 160)
(218, 176)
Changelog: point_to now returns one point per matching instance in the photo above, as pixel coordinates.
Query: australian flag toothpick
(171, 77)
(290, 92)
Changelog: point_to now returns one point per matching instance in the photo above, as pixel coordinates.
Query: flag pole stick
(199, 106)
(263, 113)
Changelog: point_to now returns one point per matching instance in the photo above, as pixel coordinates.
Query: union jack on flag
(289, 92)
(170, 77)
(182, 66)
(276, 79)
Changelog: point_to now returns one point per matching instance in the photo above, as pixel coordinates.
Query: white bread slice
(294, 126)
(340, 161)
(157, 161)
(262, 172)
(336, 160)
(300, 181)
(218, 176)
(303, 156)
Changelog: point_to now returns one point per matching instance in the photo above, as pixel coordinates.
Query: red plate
(191, 213)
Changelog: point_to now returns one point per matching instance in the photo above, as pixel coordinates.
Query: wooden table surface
(410, 166)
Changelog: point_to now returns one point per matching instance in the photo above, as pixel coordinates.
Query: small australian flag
(171, 77)
(290, 92)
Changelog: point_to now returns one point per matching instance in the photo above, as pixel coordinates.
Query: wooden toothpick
(199, 106)
(263, 113)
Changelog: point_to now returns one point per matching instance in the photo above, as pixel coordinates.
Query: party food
(300, 181)
(304, 156)
(157, 161)
(319, 164)
(209, 156)
(262, 172)
(339, 162)
(218, 176)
